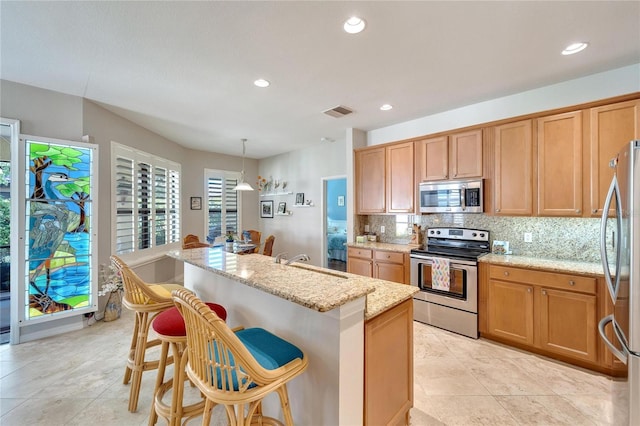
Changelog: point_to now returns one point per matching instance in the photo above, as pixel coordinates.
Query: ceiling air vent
(339, 111)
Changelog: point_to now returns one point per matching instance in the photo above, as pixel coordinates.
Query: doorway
(335, 223)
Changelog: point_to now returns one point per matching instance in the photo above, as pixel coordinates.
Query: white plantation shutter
(223, 204)
(147, 194)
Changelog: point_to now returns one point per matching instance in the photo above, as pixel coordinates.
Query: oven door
(463, 287)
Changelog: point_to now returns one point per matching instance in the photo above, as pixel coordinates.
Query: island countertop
(307, 285)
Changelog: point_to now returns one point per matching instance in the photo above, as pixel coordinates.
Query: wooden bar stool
(170, 328)
(238, 369)
(147, 301)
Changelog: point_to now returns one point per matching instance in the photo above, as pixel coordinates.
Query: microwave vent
(339, 111)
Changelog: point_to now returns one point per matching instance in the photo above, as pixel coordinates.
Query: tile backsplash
(552, 238)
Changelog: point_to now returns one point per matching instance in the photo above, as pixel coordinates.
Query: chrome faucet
(281, 256)
(297, 257)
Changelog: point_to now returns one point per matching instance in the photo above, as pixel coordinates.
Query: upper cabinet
(370, 180)
(400, 181)
(513, 169)
(456, 156)
(611, 127)
(559, 158)
(385, 179)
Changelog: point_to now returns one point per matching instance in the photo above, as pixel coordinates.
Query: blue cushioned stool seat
(269, 350)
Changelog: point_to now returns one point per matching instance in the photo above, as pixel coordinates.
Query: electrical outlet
(528, 237)
(382, 229)
(366, 228)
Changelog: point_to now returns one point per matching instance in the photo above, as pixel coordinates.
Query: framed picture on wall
(282, 207)
(300, 199)
(266, 208)
(340, 200)
(196, 203)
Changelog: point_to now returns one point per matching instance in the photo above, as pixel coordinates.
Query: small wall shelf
(303, 205)
(287, 213)
(275, 194)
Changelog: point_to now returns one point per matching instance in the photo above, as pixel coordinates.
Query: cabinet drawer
(388, 256)
(361, 253)
(545, 279)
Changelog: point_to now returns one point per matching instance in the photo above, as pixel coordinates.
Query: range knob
(474, 234)
(482, 235)
(438, 232)
(431, 232)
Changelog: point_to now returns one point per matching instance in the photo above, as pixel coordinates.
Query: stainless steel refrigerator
(622, 274)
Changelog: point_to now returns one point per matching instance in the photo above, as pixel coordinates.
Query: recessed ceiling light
(574, 48)
(261, 82)
(386, 107)
(354, 25)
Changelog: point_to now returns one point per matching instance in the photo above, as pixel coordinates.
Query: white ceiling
(185, 70)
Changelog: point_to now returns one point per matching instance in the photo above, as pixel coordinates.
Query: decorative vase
(113, 309)
(229, 246)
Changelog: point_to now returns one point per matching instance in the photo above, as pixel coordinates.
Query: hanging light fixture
(242, 185)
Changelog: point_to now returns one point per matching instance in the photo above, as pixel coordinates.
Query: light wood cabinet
(388, 366)
(513, 169)
(559, 159)
(456, 156)
(611, 126)
(568, 324)
(381, 264)
(385, 179)
(511, 311)
(400, 178)
(370, 180)
(554, 314)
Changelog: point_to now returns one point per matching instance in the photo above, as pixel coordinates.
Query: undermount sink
(319, 271)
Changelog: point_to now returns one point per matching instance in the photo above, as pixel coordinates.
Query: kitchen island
(356, 331)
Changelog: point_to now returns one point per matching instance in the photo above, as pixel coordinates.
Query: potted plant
(229, 241)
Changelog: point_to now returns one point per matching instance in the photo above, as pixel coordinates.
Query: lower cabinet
(554, 314)
(388, 366)
(382, 264)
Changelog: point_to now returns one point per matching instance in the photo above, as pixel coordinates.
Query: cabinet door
(559, 140)
(465, 158)
(370, 181)
(513, 169)
(400, 178)
(360, 267)
(510, 309)
(612, 126)
(389, 271)
(568, 324)
(433, 159)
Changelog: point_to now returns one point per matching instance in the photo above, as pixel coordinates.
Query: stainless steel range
(447, 274)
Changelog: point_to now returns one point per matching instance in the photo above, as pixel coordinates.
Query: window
(403, 225)
(223, 203)
(147, 207)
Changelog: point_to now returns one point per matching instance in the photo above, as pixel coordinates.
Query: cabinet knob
(506, 273)
(529, 290)
(594, 211)
(544, 292)
(577, 210)
(497, 210)
(572, 282)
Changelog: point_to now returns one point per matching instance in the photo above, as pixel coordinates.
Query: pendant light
(242, 185)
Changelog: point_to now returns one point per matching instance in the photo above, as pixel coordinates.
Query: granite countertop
(307, 285)
(400, 248)
(553, 265)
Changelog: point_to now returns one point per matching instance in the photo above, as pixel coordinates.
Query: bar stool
(144, 299)
(170, 328)
(238, 369)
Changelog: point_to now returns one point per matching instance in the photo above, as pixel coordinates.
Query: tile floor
(76, 379)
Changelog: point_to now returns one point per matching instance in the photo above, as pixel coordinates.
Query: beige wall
(303, 169)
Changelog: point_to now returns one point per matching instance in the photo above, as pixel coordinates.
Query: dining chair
(268, 245)
(254, 236)
(236, 369)
(192, 241)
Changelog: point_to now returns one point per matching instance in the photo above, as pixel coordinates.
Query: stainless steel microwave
(452, 196)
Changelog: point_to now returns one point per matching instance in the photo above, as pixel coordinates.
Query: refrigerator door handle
(623, 354)
(614, 190)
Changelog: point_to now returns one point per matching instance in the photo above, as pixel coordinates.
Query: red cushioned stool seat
(171, 323)
(172, 332)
